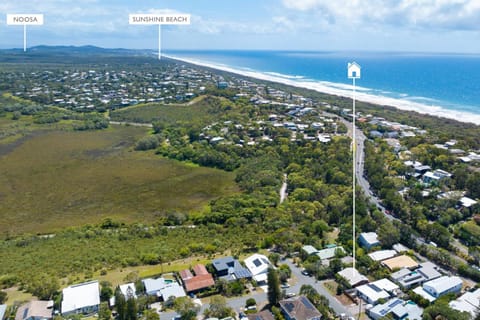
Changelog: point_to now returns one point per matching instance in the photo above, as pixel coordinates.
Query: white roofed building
(467, 202)
(434, 289)
(128, 290)
(258, 265)
(443, 285)
(380, 289)
(329, 253)
(398, 308)
(468, 302)
(368, 240)
(382, 255)
(309, 250)
(35, 310)
(163, 288)
(353, 277)
(83, 298)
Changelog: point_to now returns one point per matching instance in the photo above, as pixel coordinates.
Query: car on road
(285, 286)
(305, 273)
(290, 294)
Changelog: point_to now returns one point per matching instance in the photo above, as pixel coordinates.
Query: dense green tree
(274, 258)
(185, 307)
(284, 272)
(3, 296)
(335, 265)
(120, 304)
(218, 308)
(277, 313)
(43, 286)
(274, 293)
(442, 311)
(151, 314)
(318, 300)
(106, 291)
(473, 185)
(131, 308)
(16, 115)
(250, 302)
(388, 234)
(104, 312)
(147, 143)
(437, 233)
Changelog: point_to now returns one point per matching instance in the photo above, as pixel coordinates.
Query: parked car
(285, 286)
(305, 273)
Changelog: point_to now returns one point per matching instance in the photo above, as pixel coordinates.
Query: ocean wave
(344, 90)
(276, 74)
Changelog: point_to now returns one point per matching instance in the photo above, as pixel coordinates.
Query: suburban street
(298, 279)
(365, 185)
(296, 282)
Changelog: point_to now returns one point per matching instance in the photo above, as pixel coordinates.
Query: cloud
(438, 14)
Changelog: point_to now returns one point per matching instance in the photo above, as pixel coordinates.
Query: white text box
(180, 19)
(25, 19)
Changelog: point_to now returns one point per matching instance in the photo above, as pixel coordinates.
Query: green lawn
(63, 178)
(203, 111)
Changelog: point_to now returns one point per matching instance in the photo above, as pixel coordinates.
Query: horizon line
(251, 50)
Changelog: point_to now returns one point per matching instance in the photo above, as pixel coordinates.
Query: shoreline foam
(343, 90)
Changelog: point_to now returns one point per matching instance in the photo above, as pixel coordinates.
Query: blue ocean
(448, 81)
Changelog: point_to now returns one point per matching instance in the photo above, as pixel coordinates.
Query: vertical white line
(354, 149)
(159, 42)
(24, 37)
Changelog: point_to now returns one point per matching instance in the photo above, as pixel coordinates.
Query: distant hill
(59, 54)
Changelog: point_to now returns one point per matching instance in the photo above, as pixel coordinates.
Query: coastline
(342, 90)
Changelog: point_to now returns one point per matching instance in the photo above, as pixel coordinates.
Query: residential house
(299, 308)
(258, 264)
(398, 308)
(330, 252)
(35, 310)
(443, 285)
(435, 176)
(83, 298)
(382, 255)
(380, 289)
(399, 262)
(467, 202)
(368, 240)
(262, 315)
(163, 288)
(200, 281)
(468, 302)
(353, 277)
(400, 248)
(128, 290)
(434, 289)
(375, 134)
(407, 278)
(309, 250)
(230, 269)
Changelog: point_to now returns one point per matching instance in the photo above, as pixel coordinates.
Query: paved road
(365, 185)
(260, 296)
(283, 189)
(299, 279)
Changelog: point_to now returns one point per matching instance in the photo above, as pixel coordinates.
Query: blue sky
(380, 25)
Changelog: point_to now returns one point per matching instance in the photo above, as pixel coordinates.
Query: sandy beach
(343, 90)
